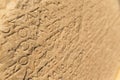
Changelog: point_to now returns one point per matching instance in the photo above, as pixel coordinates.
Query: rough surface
(59, 39)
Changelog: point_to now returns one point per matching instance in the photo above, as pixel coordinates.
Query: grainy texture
(59, 39)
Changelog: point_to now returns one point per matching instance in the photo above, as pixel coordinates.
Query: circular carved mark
(23, 60)
(24, 46)
(5, 29)
(23, 32)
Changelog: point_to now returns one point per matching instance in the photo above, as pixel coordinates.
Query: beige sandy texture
(59, 39)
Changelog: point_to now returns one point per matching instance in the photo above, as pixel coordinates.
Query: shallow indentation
(23, 60)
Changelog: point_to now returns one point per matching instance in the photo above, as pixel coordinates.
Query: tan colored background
(59, 39)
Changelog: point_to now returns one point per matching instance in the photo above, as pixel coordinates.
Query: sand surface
(59, 40)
